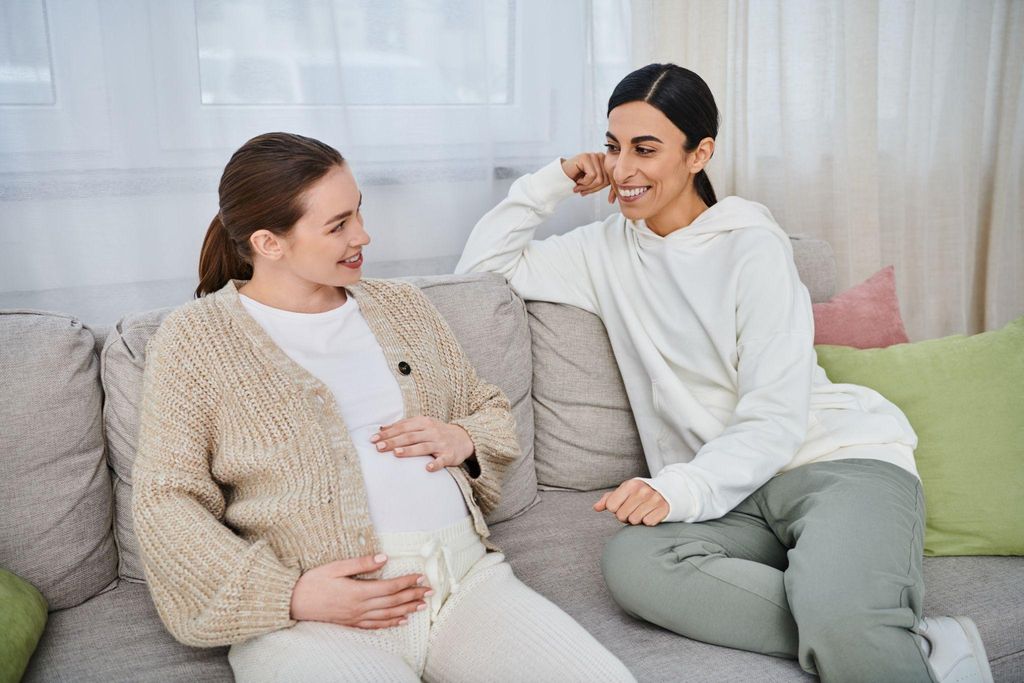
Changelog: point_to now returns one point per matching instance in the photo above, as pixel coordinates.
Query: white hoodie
(713, 334)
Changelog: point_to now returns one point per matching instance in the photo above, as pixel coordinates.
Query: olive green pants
(822, 563)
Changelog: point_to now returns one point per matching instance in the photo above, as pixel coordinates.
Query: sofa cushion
(489, 321)
(118, 636)
(483, 312)
(989, 590)
(816, 265)
(22, 619)
(55, 530)
(556, 549)
(124, 360)
(866, 316)
(128, 553)
(586, 437)
(963, 396)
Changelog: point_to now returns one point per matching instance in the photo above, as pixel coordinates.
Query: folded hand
(634, 502)
(331, 593)
(587, 170)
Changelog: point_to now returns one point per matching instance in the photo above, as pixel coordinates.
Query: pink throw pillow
(866, 316)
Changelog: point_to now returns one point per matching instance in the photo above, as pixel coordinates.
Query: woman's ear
(702, 155)
(266, 244)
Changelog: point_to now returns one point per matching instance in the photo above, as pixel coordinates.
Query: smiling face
(651, 171)
(325, 246)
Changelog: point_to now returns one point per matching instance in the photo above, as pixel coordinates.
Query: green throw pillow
(965, 398)
(22, 618)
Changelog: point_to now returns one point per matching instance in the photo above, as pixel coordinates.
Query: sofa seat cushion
(117, 636)
(55, 525)
(989, 590)
(556, 549)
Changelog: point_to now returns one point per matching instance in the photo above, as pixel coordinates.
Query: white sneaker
(954, 648)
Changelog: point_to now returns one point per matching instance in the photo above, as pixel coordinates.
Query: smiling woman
(780, 504)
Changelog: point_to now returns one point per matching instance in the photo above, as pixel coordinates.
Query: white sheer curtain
(894, 129)
(117, 117)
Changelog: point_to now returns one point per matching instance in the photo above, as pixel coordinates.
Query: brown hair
(261, 189)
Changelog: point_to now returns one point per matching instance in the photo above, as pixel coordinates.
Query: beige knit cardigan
(246, 476)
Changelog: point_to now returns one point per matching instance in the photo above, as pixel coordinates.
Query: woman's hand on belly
(329, 593)
(448, 444)
(634, 502)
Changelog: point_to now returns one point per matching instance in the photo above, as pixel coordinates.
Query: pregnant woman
(316, 456)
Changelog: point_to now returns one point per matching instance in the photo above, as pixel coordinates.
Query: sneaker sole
(977, 646)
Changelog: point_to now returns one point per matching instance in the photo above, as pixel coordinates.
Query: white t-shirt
(338, 348)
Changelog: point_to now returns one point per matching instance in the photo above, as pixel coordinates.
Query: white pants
(481, 624)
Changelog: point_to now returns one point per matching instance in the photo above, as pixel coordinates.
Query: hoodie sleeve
(775, 368)
(502, 242)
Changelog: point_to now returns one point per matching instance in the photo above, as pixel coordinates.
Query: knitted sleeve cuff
(256, 601)
(496, 449)
(269, 595)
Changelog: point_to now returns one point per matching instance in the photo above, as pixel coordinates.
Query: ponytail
(262, 188)
(219, 260)
(704, 190)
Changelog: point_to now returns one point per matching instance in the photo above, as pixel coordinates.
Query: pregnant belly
(404, 496)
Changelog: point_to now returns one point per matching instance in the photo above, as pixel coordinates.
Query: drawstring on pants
(439, 568)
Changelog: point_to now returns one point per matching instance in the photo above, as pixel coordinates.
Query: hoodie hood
(728, 214)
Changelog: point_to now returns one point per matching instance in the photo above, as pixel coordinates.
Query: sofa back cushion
(123, 360)
(489, 320)
(55, 494)
(816, 265)
(586, 438)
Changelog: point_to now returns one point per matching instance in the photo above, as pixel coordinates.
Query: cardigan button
(362, 539)
(404, 368)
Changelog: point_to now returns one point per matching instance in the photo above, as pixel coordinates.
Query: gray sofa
(68, 429)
